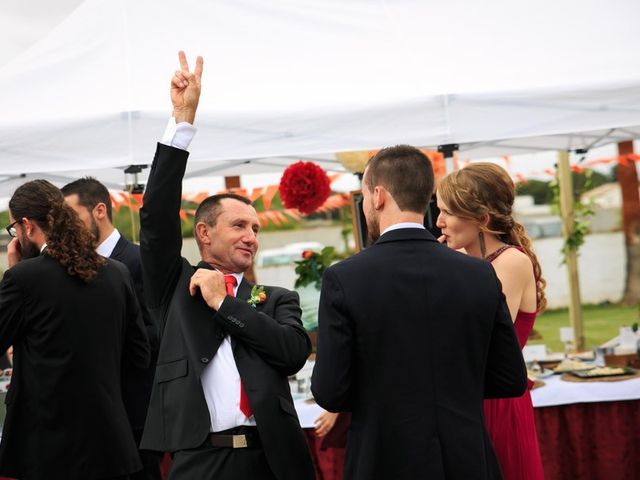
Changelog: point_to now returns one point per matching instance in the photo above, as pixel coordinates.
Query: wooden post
(628, 180)
(571, 256)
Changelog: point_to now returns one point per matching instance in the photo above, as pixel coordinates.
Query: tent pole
(447, 151)
(570, 256)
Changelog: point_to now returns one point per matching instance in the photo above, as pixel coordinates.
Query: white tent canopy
(291, 78)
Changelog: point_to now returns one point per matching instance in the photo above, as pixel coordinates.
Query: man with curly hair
(92, 202)
(73, 319)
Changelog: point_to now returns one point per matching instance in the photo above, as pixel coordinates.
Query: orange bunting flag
(268, 195)
(262, 218)
(273, 217)
(293, 213)
(281, 216)
(437, 161)
(255, 194)
(114, 202)
(197, 198)
(600, 161)
(238, 191)
(138, 198)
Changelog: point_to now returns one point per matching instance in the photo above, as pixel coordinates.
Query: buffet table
(585, 430)
(589, 430)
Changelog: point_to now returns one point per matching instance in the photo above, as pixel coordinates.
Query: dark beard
(95, 231)
(373, 232)
(28, 249)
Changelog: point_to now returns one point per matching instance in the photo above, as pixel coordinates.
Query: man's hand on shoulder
(211, 285)
(185, 90)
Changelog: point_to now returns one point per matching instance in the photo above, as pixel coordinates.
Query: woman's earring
(483, 247)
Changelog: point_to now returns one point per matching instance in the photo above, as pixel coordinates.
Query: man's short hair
(406, 173)
(90, 193)
(210, 209)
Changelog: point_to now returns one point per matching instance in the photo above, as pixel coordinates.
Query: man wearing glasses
(73, 319)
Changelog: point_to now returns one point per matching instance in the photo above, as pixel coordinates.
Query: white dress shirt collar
(106, 248)
(398, 226)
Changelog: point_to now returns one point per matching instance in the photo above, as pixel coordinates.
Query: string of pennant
(624, 160)
(281, 216)
(278, 217)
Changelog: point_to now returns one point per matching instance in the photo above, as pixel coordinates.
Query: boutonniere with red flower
(257, 296)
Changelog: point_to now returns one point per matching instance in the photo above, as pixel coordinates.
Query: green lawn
(600, 323)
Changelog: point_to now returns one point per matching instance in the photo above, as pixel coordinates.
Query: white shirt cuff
(178, 135)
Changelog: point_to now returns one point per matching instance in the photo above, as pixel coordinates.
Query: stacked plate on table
(568, 365)
(598, 372)
(583, 369)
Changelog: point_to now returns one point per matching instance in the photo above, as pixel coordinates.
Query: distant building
(607, 200)
(539, 220)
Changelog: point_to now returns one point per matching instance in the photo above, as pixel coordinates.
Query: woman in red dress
(476, 215)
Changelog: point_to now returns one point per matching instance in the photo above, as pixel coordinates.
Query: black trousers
(150, 461)
(221, 463)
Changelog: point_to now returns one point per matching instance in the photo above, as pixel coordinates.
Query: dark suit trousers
(217, 463)
(150, 462)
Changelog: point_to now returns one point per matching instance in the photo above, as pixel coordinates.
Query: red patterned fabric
(329, 462)
(586, 441)
(590, 441)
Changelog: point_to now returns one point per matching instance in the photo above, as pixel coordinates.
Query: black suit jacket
(137, 382)
(65, 415)
(412, 337)
(269, 342)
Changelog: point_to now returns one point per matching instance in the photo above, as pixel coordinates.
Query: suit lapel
(244, 289)
(243, 293)
(118, 250)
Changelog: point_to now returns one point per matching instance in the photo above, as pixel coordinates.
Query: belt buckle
(239, 441)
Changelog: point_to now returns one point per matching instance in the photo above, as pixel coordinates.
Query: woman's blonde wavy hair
(482, 190)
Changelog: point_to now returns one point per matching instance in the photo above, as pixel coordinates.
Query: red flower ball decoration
(305, 186)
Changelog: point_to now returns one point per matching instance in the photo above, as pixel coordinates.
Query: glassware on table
(599, 357)
(567, 337)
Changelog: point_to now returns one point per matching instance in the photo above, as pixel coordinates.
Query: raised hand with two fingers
(185, 90)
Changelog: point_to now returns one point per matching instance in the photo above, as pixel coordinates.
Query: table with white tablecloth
(586, 430)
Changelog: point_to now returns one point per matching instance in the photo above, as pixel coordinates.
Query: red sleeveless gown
(511, 425)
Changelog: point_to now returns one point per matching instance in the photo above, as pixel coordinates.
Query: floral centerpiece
(312, 266)
(309, 270)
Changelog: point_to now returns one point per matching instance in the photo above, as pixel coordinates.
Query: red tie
(245, 408)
